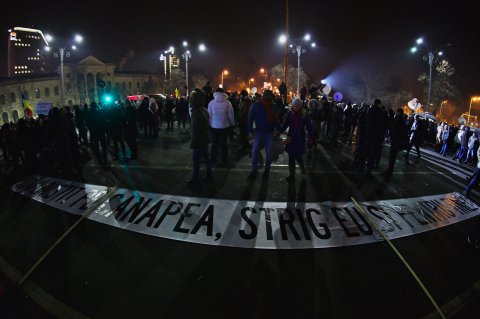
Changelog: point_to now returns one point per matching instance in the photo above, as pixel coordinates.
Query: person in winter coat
(261, 113)
(337, 121)
(98, 132)
(361, 137)
(444, 138)
(221, 115)
(169, 107)
(416, 136)
(200, 136)
(463, 137)
(471, 147)
(131, 130)
(399, 139)
(314, 115)
(244, 108)
(297, 121)
(474, 178)
(303, 93)
(440, 128)
(116, 120)
(375, 133)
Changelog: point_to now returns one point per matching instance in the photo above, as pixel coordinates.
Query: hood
(220, 96)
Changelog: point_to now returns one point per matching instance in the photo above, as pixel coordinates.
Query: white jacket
(220, 111)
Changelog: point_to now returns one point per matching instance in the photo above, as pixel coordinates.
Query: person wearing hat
(200, 136)
(261, 113)
(296, 122)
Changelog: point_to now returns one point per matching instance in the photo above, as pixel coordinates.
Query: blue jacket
(258, 115)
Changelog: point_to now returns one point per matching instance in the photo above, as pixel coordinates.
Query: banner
(43, 107)
(251, 224)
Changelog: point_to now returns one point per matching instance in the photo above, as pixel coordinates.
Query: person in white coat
(221, 118)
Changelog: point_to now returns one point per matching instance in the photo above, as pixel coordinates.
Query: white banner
(251, 224)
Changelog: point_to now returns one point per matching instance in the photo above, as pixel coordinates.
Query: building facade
(26, 52)
(82, 81)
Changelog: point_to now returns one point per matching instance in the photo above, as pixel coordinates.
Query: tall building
(25, 52)
(170, 61)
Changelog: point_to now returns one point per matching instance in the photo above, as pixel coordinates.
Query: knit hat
(296, 101)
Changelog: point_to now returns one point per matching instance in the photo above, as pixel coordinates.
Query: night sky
(241, 36)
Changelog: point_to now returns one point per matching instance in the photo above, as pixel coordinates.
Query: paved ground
(104, 272)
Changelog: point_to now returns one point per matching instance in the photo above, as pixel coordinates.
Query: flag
(26, 106)
(176, 92)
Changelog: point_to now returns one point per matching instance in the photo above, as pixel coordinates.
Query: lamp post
(224, 72)
(62, 53)
(299, 49)
(250, 80)
(472, 99)
(187, 55)
(431, 57)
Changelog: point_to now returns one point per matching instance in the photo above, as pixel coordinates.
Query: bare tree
(277, 73)
(443, 87)
(199, 80)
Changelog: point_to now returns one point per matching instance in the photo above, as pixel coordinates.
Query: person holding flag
(27, 109)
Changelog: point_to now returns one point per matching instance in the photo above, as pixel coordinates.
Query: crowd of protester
(218, 119)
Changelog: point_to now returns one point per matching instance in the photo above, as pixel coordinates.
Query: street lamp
(431, 56)
(250, 80)
(299, 49)
(62, 52)
(472, 99)
(224, 72)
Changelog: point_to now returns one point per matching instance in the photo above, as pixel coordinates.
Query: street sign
(43, 107)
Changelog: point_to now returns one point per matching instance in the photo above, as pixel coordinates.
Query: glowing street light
(224, 72)
(48, 37)
(62, 52)
(264, 72)
(202, 47)
(250, 80)
(307, 37)
(185, 43)
(282, 39)
(419, 40)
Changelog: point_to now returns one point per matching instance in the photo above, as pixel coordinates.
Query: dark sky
(241, 35)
